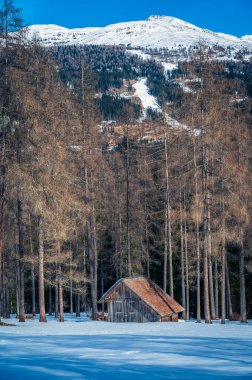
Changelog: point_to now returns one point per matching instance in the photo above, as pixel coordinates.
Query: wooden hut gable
(139, 298)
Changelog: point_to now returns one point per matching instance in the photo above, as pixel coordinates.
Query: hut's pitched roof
(150, 293)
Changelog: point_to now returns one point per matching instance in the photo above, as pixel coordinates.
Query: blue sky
(227, 16)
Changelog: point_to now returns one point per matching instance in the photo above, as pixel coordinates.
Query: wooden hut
(140, 300)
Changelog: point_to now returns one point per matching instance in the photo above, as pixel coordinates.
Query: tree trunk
(187, 274)
(197, 229)
(71, 298)
(42, 317)
(85, 278)
(61, 298)
(223, 282)
(147, 250)
(128, 210)
(243, 310)
(7, 294)
(21, 260)
(93, 264)
(33, 290)
(8, 303)
(4, 291)
(91, 257)
(92, 252)
(182, 258)
(17, 277)
(210, 266)
(216, 281)
(5, 306)
(120, 247)
(186, 263)
(50, 301)
(2, 170)
(147, 258)
(229, 297)
(223, 253)
(2, 192)
(165, 253)
(3, 301)
(168, 230)
(56, 296)
(77, 305)
(205, 234)
(211, 288)
(102, 284)
(32, 275)
(71, 282)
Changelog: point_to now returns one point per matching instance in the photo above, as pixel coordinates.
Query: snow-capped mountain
(155, 32)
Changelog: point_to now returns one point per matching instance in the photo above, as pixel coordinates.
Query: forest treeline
(75, 217)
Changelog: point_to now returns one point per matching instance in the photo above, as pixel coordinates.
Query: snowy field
(84, 349)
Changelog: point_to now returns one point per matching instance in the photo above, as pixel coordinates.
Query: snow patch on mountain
(140, 54)
(53, 35)
(168, 66)
(142, 92)
(149, 101)
(174, 123)
(247, 38)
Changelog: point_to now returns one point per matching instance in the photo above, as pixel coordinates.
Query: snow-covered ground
(150, 101)
(140, 54)
(142, 92)
(174, 123)
(84, 349)
(168, 66)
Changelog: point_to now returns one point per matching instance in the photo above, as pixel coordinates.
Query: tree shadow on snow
(124, 357)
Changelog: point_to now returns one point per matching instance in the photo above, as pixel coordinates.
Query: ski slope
(142, 92)
(84, 349)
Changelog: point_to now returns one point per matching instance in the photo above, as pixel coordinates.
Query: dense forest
(75, 216)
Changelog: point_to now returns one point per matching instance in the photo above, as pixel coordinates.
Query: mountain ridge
(154, 32)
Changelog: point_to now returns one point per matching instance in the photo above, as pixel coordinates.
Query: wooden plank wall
(126, 306)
